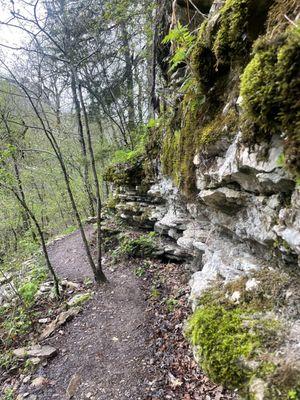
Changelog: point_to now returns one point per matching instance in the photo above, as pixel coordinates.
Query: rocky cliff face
(226, 194)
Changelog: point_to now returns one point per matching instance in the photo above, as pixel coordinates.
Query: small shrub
(140, 247)
(155, 293)
(171, 304)
(28, 291)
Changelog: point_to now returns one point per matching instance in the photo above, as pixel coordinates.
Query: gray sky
(9, 36)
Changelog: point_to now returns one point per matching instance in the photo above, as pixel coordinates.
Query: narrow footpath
(128, 341)
(103, 352)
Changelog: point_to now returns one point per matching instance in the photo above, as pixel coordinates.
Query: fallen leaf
(73, 385)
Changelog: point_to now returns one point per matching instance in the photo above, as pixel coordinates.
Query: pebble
(27, 379)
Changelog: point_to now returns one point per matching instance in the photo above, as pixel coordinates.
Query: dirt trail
(106, 344)
(68, 256)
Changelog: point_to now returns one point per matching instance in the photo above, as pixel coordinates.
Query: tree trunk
(100, 275)
(42, 238)
(87, 184)
(55, 146)
(129, 78)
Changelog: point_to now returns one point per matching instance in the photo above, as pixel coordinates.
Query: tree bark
(100, 275)
(129, 78)
(74, 87)
(42, 238)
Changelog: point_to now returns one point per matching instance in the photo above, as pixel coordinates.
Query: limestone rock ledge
(244, 219)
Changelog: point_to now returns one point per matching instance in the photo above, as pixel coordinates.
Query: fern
(183, 42)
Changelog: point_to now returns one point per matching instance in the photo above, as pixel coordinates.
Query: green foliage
(155, 293)
(9, 394)
(171, 303)
(16, 319)
(28, 291)
(111, 202)
(129, 156)
(182, 41)
(28, 288)
(69, 230)
(125, 174)
(142, 269)
(131, 167)
(294, 394)
(270, 88)
(7, 360)
(16, 323)
(27, 245)
(140, 247)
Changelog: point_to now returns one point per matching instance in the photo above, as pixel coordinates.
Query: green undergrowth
(236, 336)
(135, 247)
(131, 167)
(18, 313)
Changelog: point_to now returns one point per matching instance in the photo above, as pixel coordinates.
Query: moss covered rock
(237, 332)
(227, 37)
(124, 174)
(270, 88)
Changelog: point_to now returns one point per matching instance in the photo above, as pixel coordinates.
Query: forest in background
(74, 95)
(164, 136)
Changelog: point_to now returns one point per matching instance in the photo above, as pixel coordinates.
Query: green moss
(203, 60)
(222, 342)
(227, 39)
(125, 174)
(180, 147)
(222, 124)
(236, 341)
(230, 40)
(241, 21)
(80, 299)
(170, 152)
(270, 88)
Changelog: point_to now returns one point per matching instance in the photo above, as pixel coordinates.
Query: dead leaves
(177, 374)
